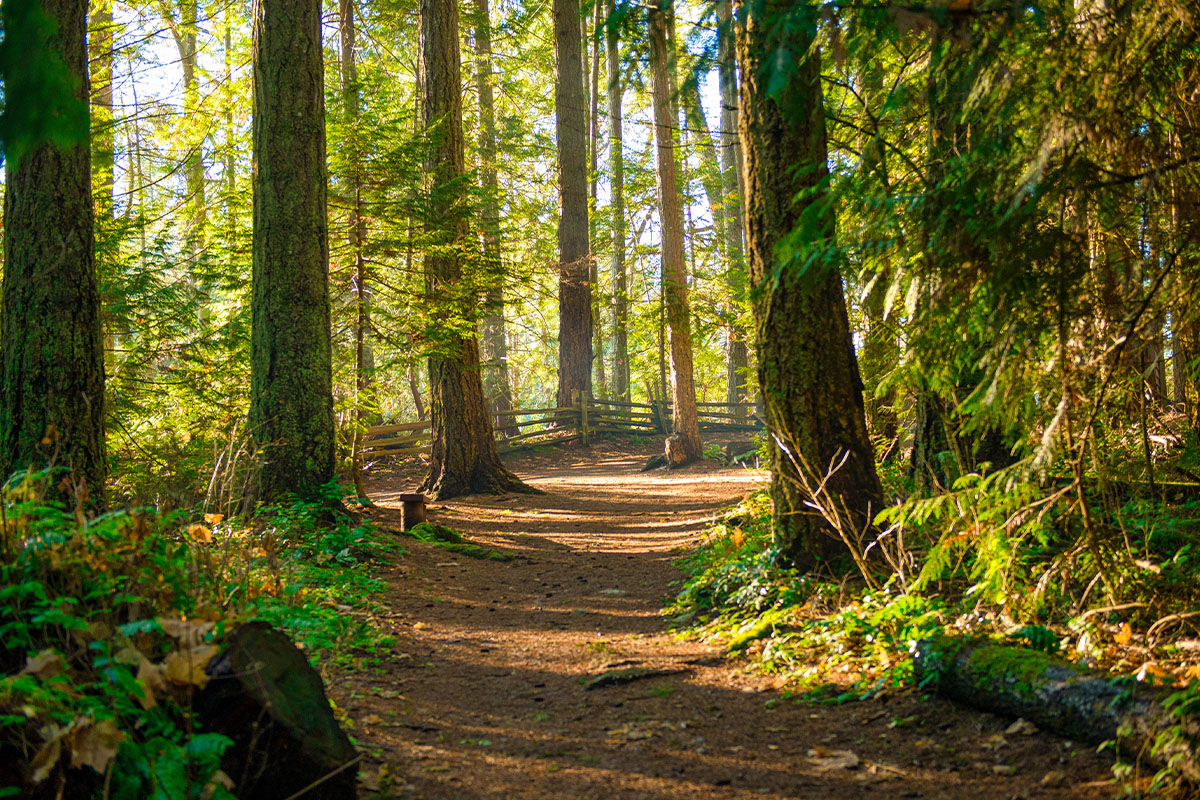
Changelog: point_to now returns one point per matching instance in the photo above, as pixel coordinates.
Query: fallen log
(1064, 698)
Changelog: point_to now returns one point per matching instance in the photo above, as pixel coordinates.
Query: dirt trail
(483, 697)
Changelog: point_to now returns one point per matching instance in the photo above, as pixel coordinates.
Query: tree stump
(412, 510)
(264, 695)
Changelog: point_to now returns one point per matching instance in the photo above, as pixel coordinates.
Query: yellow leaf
(186, 667)
(45, 760)
(97, 745)
(200, 534)
(1150, 668)
(151, 678)
(1124, 635)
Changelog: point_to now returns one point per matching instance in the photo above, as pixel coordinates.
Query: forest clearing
(599, 398)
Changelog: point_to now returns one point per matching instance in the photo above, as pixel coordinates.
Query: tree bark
(710, 165)
(600, 381)
(291, 383)
(356, 235)
(496, 386)
(574, 282)
(684, 443)
(620, 372)
(463, 452)
(808, 374)
(51, 345)
(737, 361)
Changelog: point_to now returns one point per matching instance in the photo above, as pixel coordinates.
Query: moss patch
(1020, 666)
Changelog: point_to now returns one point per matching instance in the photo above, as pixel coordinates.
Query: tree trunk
(684, 443)
(231, 149)
(496, 386)
(51, 346)
(737, 362)
(600, 380)
(291, 383)
(617, 178)
(356, 236)
(100, 52)
(464, 457)
(574, 281)
(710, 165)
(808, 374)
(184, 31)
(191, 109)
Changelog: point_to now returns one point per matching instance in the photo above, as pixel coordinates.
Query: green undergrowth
(453, 541)
(986, 559)
(107, 622)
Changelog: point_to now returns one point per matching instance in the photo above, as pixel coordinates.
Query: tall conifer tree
(291, 383)
(51, 347)
(808, 375)
(464, 457)
(574, 284)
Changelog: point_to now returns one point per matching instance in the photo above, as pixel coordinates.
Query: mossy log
(1063, 698)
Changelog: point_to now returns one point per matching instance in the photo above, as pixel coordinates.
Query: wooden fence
(587, 416)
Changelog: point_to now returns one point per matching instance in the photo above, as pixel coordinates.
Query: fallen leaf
(200, 533)
(1054, 778)
(151, 678)
(829, 760)
(1124, 635)
(44, 665)
(1003, 769)
(45, 760)
(1022, 727)
(373, 719)
(96, 745)
(186, 667)
(213, 519)
(1150, 668)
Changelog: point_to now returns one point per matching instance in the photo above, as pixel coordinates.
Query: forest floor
(484, 696)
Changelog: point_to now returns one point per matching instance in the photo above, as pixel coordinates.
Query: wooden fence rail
(580, 420)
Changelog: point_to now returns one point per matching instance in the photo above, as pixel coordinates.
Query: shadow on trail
(484, 700)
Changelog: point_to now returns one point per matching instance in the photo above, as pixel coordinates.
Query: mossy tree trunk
(291, 383)
(496, 386)
(574, 282)
(807, 370)
(463, 453)
(51, 346)
(684, 443)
